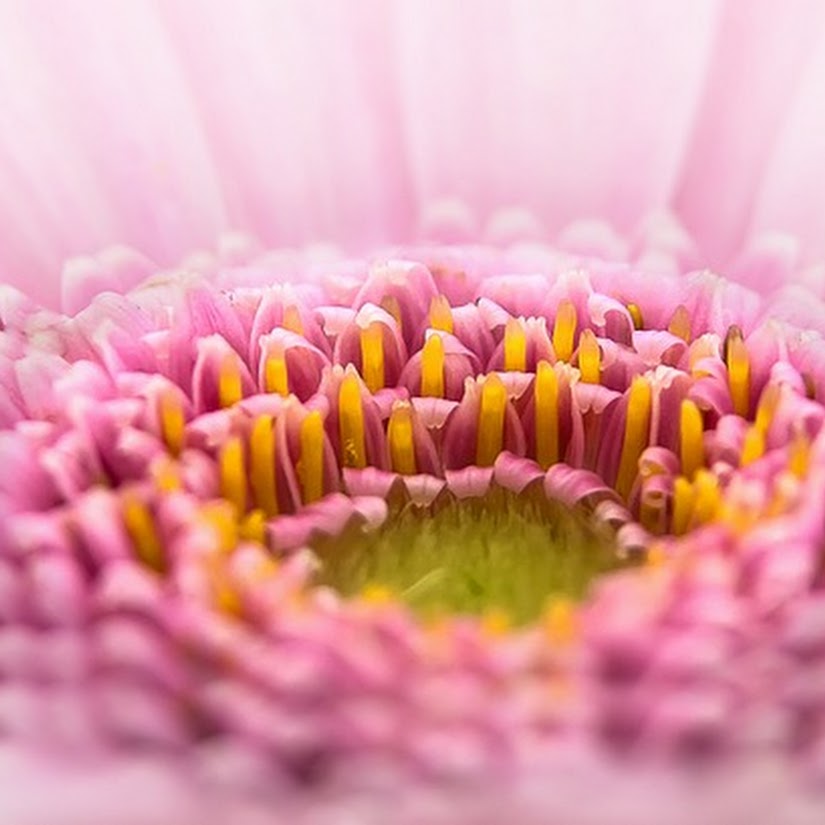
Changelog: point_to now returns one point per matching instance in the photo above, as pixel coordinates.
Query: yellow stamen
(140, 526)
(683, 497)
(233, 474)
(546, 400)
(636, 316)
(753, 447)
(432, 367)
(172, 422)
(262, 470)
(680, 325)
(564, 330)
(739, 371)
(372, 356)
(515, 346)
(766, 408)
(799, 454)
(491, 420)
(441, 316)
(253, 527)
(400, 439)
(351, 423)
(230, 390)
(707, 497)
(292, 320)
(590, 357)
(221, 516)
(311, 463)
(390, 304)
(276, 377)
(691, 438)
(636, 434)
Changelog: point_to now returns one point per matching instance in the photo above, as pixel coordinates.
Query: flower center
(499, 553)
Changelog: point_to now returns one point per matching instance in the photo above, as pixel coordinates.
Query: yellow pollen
(680, 325)
(766, 408)
(351, 423)
(753, 447)
(564, 330)
(262, 470)
(311, 464)
(636, 316)
(233, 474)
(515, 346)
(140, 526)
(276, 378)
(683, 496)
(172, 422)
(636, 434)
(491, 420)
(432, 367)
(559, 621)
(390, 304)
(590, 357)
(707, 497)
(546, 400)
(221, 516)
(400, 439)
(292, 320)
(799, 454)
(691, 438)
(739, 371)
(229, 382)
(441, 316)
(253, 527)
(372, 356)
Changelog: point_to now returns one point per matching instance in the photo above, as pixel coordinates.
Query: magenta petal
(571, 485)
(515, 473)
(469, 482)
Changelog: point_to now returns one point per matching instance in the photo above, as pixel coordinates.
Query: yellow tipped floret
(691, 438)
(292, 320)
(707, 497)
(140, 526)
(636, 434)
(276, 377)
(432, 367)
(253, 527)
(311, 463)
(515, 346)
(546, 400)
(230, 390)
(172, 422)
(233, 474)
(491, 420)
(766, 408)
(351, 423)
(636, 316)
(753, 447)
(441, 316)
(262, 470)
(739, 371)
(590, 357)
(683, 497)
(400, 439)
(680, 325)
(372, 356)
(564, 330)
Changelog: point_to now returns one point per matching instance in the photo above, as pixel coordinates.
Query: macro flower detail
(429, 520)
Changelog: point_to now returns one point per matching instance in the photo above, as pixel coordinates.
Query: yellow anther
(707, 497)
(441, 316)
(253, 527)
(564, 330)
(799, 454)
(491, 420)
(311, 464)
(680, 325)
(766, 408)
(739, 371)
(636, 434)
(292, 320)
(351, 423)
(559, 621)
(515, 346)
(276, 377)
(140, 525)
(165, 473)
(172, 422)
(546, 401)
(221, 516)
(262, 470)
(372, 356)
(400, 439)
(230, 390)
(683, 499)
(636, 316)
(753, 447)
(590, 357)
(389, 303)
(691, 438)
(432, 367)
(233, 474)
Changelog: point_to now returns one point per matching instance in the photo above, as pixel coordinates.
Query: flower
(257, 521)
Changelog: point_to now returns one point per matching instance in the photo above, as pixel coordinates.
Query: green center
(502, 552)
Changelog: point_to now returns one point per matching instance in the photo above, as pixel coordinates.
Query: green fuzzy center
(502, 552)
